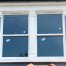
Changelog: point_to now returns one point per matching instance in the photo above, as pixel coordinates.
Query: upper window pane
(50, 46)
(15, 46)
(15, 24)
(49, 23)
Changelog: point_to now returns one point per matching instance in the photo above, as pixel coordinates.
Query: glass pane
(50, 46)
(46, 64)
(15, 24)
(49, 23)
(15, 46)
(25, 64)
(64, 64)
(13, 64)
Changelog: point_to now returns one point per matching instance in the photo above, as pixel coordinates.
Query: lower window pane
(50, 46)
(15, 46)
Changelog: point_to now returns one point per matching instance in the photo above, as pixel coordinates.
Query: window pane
(46, 64)
(25, 64)
(15, 24)
(49, 23)
(15, 46)
(50, 46)
(13, 64)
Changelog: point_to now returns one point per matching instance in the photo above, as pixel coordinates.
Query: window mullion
(32, 35)
(1, 33)
(63, 24)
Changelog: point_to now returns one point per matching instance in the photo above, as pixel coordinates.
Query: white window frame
(32, 33)
(53, 59)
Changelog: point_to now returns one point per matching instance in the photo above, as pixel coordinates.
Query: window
(13, 64)
(15, 24)
(15, 46)
(33, 36)
(15, 35)
(50, 38)
(50, 46)
(49, 23)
